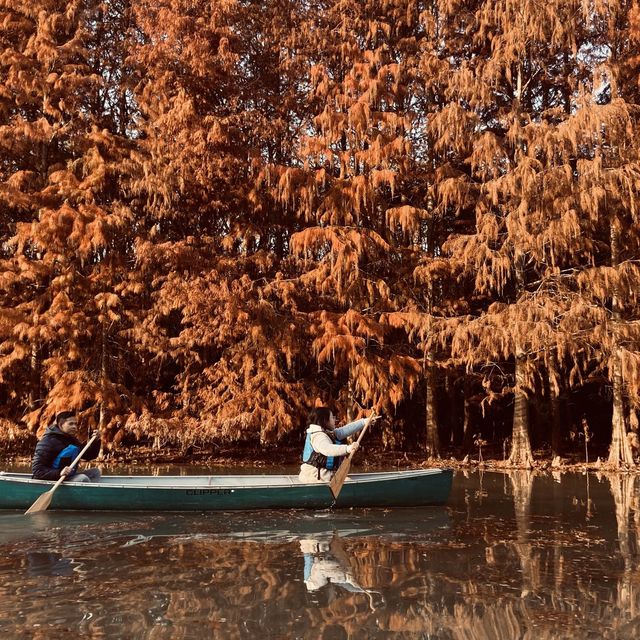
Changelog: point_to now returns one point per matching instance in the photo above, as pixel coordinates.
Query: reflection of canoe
(49, 528)
(208, 493)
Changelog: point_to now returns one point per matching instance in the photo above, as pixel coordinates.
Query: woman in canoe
(324, 446)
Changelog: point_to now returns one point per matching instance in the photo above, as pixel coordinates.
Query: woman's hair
(322, 417)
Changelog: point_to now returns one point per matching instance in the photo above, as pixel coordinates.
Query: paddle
(43, 501)
(343, 470)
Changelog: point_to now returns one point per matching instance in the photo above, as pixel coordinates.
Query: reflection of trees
(465, 581)
(522, 485)
(624, 489)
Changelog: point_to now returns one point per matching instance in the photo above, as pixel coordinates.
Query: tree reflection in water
(624, 489)
(522, 486)
(515, 555)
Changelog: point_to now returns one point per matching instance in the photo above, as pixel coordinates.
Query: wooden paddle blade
(339, 477)
(41, 504)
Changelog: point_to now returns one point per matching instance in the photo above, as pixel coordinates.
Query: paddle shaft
(43, 501)
(366, 426)
(343, 470)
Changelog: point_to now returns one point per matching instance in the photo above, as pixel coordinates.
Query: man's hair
(64, 415)
(322, 417)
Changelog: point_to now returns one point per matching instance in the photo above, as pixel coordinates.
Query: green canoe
(212, 493)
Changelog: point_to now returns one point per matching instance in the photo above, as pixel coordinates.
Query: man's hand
(354, 446)
(67, 471)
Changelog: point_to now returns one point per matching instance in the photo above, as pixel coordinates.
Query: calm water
(511, 556)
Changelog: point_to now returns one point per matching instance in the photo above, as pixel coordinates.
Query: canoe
(222, 493)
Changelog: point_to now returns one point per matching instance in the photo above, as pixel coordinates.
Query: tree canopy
(215, 215)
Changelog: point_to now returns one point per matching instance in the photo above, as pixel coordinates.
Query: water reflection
(624, 489)
(514, 555)
(48, 563)
(522, 487)
(328, 565)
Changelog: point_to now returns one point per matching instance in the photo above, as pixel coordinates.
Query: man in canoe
(324, 448)
(58, 448)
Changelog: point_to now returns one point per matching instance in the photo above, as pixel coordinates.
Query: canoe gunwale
(221, 481)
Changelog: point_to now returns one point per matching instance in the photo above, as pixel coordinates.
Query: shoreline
(376, 459)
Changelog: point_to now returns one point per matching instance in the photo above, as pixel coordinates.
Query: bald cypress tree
(360, 204)
(218, 104)
(524, 136)
(61, 207)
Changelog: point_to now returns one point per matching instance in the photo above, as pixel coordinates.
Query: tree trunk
(457, 419)
(555, 405)
(433, 439)
(620, 450)
(34, 388)
(446, 421)
(103, 377)
(102, 417)
(556, 425)
(521, 454)
(468, 426)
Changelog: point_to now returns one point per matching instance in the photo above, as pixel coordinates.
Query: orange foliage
(214, 214)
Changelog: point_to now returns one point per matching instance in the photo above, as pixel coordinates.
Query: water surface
(511, 556)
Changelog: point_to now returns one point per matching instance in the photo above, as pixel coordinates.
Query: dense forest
(214, 215)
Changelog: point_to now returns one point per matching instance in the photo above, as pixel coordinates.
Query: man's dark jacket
(50, 445)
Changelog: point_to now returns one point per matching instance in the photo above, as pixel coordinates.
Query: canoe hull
(225, 493)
